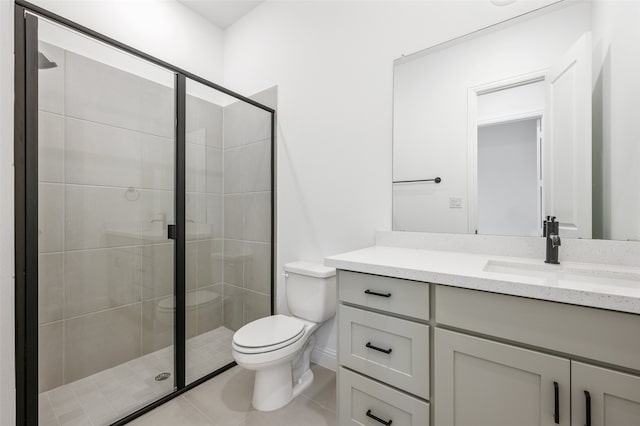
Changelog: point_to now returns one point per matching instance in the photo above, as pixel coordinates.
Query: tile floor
(226, 401)
(110, 394)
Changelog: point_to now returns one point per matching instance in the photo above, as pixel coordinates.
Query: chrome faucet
(552, 232)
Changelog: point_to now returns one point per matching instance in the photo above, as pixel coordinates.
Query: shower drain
(163, 376)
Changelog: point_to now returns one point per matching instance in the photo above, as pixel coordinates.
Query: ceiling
(222, 13)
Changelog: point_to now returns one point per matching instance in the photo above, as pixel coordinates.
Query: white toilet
(279, 347)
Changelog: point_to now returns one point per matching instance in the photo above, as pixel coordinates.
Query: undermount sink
(566, 274)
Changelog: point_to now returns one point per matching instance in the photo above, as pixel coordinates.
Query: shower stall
(144, 224)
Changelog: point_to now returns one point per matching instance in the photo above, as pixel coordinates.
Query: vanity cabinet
(383, 351)
(603, 397)
(413, 353)
(479, 382)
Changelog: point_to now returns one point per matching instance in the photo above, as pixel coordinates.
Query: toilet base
(273, 388)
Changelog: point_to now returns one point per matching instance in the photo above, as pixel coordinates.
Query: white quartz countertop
(600, 286)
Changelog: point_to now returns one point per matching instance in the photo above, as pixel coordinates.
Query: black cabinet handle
(373, 293)
(378, 419)
(587, 396)
(171, 232)
(556, 401)
(375, 348)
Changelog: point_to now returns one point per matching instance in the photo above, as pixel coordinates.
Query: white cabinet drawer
(402, 297)
(392, 350)
(363, 401)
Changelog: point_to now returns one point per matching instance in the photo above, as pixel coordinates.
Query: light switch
(455, 202)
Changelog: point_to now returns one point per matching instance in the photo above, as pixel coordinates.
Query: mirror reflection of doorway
(508, 185)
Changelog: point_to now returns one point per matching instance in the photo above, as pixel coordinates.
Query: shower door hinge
(171, 232)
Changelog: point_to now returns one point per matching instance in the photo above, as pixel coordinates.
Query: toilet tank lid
(310, 269)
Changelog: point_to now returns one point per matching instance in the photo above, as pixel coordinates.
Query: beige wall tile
(102, 340)
(50, 289)
(258, 165)
(101, 279)
(98, 217)
(209, 268)
(50, 217)
(98, 154)
(206, 115)
(209, 309)
(232, 307)
(234, 121)
(158, 162)
(255, 305)
(196, 164)
(214, 170)
(214, 214)
(257, 220)
(191, 264)
(157, 326)
(50, 356)
(233, 216)
(103, 94)
(50, 147)
(235, 170)
(233, 261)
(257, 267)
(157, 270)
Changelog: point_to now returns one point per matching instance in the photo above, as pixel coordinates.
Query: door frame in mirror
(472, 135)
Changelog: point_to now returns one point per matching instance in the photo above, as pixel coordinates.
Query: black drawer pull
(373, 293)
(587, 396)
(556, 401)
(378, 419)
(375, 348)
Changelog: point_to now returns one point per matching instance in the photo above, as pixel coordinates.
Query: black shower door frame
(26, 208)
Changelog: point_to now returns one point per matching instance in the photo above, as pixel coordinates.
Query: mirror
(536, 116)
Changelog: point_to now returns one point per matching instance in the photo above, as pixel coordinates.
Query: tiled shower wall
(247, 211)
(102, 263)
(106, 193)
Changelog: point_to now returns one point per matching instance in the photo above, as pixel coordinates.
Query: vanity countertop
(610, 287)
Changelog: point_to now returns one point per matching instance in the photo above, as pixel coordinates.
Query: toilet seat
(268, 334)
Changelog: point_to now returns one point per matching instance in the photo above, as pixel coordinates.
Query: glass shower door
(228, 261)
(106, 190)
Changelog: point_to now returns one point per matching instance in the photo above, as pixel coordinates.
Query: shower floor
(103, 397)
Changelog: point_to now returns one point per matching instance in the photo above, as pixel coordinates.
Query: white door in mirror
(568, 152)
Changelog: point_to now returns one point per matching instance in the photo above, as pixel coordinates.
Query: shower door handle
(171, 232)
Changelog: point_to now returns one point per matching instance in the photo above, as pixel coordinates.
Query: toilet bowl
(278, 348)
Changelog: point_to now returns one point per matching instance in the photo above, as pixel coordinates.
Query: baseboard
(325, 357)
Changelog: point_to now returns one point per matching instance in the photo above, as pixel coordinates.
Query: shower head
(44, 63)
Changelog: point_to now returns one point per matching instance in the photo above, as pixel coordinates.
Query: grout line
(103, 310)
(64, 230)
(233, 148)
(170, 120)
(184, 396)
(266, 191)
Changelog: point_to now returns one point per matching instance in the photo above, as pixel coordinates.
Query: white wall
(7, 373)
(333, 65)
(431, 108)
(616, 198)
(163, 28)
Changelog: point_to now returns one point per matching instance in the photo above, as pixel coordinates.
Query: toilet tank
(311, 290)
